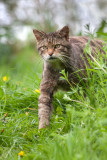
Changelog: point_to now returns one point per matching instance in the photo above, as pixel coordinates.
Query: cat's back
(79, 43)
(78, 39)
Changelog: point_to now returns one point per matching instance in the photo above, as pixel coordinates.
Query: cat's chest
(57, 65)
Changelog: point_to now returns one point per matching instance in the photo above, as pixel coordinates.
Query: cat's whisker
(62, 61)
(67, 57)
(66, 61)
(68, 64)
(44, 58)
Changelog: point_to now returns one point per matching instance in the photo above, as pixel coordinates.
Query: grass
(78, 128)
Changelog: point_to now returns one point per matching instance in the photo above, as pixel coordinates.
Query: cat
(59, 52)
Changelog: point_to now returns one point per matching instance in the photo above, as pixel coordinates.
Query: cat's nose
(50, 52)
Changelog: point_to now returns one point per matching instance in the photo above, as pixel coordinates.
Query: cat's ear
(64, 32)
(38, 34)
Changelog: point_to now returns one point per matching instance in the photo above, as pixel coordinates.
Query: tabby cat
(60, 52)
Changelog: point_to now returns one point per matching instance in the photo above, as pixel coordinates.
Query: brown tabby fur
(60, 52)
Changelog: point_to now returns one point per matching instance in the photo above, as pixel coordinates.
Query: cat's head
(52, 46)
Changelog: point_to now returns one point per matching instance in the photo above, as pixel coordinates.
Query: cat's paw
(43, 123)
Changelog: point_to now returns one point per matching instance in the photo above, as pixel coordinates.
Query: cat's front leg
(45, 100)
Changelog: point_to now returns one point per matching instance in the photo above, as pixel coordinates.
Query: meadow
(78, 127)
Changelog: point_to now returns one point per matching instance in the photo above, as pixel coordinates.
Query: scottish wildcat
(60, 52)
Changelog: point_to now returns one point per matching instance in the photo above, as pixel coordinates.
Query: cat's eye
(57, 46)
(44, 47)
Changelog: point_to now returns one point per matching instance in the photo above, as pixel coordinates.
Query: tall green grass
(78, 128)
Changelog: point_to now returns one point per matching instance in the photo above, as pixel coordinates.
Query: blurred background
(18, 18)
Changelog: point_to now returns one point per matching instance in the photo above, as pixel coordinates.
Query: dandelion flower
(37, 90)
(27, 113)
(21, 153)
(5, 78)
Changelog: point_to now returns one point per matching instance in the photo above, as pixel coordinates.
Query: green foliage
(5, 52)
(78, 127)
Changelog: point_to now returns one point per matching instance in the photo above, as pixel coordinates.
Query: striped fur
(60, 52)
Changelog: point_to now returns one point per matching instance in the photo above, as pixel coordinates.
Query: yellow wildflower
(37, 90)
(5, 78)
(27, 113)
(21, 153)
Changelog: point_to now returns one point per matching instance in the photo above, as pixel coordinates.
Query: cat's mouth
(51, 58)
